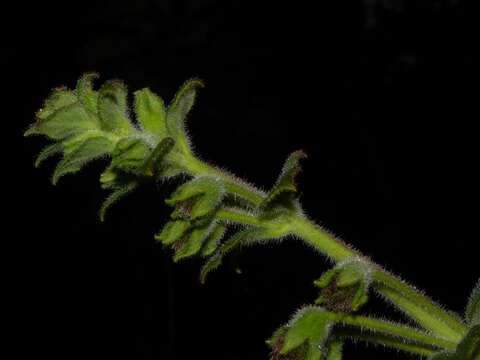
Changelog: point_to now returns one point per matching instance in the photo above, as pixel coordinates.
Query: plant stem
(392, 329)
(423, 310)
(419, 307)
(391, 333)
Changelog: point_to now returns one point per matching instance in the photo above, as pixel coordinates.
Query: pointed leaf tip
(286, 181)
(113, 198)
(112, 107)
(178, 110)
(151, 112)
(472, 313)
(85, 92)
(89, 149)
(310, 326)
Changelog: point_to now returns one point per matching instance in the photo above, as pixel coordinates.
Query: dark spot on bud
(338, 299)
(296, 354)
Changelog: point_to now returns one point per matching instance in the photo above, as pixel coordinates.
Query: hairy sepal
(112, 108)
(310, 327)
(472, 313)
(194, 241)
(87, 96)
(345, 287)
(281, 200)
(151, 113)
(114, 197)
(178, 110)
(64, 122)
(74, 160)
(197, 198)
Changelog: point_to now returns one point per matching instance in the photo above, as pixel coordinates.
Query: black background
(382, 95)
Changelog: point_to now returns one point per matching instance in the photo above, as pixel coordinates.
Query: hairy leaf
(89, 149)
(286, 180)
(198, 197)
(472, 313)
(173, 231)
(87, 96)
(194, 242)
(113, 109)
(178, 110)
(59, 98)
(151, 113)
(47, 152)
(114, 197)
(64, 122)
(311, 326)
(213, 239)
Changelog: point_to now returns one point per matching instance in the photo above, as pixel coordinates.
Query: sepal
(178, 110)
(345, 287)
(74, 160)
(112, 108)
(472, 313)
(87, 96)
(114, 197)
(305, 337)
(151, 113)
(281, 199)
(197, 198)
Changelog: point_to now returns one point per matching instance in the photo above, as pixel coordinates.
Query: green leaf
(85, 93)
(129, 154)
(194, 242)
(150, 111)
(312, 326)
(47, 152)
(286, 180)
(67, 121)
(112, 108)
(472, 313)
(211, 242)
(198, 197)
(178, 110)
(89, 149)
(173, 231)
(114, 197)
(59, 98)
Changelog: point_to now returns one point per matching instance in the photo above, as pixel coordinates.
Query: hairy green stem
(428, 314)
(398, 330)
(417, 306)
